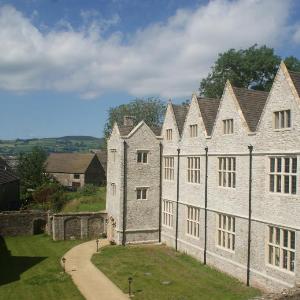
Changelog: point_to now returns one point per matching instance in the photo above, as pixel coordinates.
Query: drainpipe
(177, 198)
(124, 193)
(160, 190)
(205, 209)
(250, 147)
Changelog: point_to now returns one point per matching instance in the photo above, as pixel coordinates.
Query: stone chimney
(128, 121)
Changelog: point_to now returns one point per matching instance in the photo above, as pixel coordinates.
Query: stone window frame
(142, 156)
(228, 126)
(282, 120)
(142, 193)
(281, 248)
(193, 221)
(226, 230)
(169, 134)
(227, 171)
(76, 176)
(167, 213)
(193, 169)
(283, 176)
(193, 130)
(169, 168)
(113, 189)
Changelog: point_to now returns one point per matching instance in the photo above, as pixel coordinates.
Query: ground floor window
(193, 221)
(226, 232)
(167, 213)
(281, 248)
(141, 193)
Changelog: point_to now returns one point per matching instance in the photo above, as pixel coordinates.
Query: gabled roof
(209, 109)
(125, 130)
(296, 80)
(252, 104)
(180, 112)
(69, 163)
(102, 156)
(7, 176)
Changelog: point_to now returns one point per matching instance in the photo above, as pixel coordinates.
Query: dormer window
(169, 134)
(142, 157)
(282, 119)
(228, 126)
(194, 130)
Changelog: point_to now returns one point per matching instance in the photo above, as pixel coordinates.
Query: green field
(159, 272)
(79, 202)
(30, 269)
(61, 144)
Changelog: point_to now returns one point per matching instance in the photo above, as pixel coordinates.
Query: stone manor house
(220, 181)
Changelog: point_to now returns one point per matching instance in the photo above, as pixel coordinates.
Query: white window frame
(193, 169)
(226, 232)
(143, 155)
(193, 130)
(169, 163)
(282, 119)
(228, 126)
(281, 248)
(283, 171)
(193, 221)
(169, 134)
(167, 213)
(227, 172)
(113, 189)
(142, 193)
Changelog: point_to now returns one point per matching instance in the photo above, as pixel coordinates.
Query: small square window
(142, 157)
(169, 134)
(228, 126)
(282, 119)
(141, 193)
(194, 130)
(76, 176)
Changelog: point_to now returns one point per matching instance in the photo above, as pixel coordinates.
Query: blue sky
(63, 63)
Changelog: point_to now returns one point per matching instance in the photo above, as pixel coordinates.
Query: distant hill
(60, 144)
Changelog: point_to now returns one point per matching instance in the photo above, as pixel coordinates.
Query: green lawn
(79, 202)
(153, 266)
(30, 269)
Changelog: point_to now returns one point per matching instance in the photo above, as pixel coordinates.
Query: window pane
(271, 255)
(139, 157)
(285, 259)
(294, 185)
(286, 184)
(288, 118)
(272, 165)
(272, 183)
(145, 158)
(292, 240)
(278, 177)
(285, 238)
(287, 165)
(277, 236)
(292, 261)
(277, 257)
(271, 236)
(294, 165)
(144, 194)
(138, 193)
(279, 165)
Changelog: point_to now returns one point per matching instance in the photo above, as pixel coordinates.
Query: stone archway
(39, 226)
(95, 227)
(72, 228)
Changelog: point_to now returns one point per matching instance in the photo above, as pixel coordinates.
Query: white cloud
(166, 59)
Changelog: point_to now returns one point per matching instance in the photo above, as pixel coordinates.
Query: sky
(64, 63)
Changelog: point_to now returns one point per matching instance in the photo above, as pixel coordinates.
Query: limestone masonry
(219, 181)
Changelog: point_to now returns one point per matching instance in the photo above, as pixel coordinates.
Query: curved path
(91, 282)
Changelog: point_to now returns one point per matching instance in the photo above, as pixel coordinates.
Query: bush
(88, 190)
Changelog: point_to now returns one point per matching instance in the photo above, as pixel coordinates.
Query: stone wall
(13, 223)
(82, 225)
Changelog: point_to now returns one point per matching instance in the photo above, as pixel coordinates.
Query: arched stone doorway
(95, 227)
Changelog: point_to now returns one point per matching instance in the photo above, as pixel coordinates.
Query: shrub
(88, 190)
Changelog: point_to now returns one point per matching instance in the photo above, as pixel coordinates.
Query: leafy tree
(253, 68)
(150, 110)
(31, 170)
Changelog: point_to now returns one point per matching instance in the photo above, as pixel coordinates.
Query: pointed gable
(252, 104)
(180, 112)
(296, 80)
(209, 109)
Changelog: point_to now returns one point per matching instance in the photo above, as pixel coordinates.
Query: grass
(79, 202)
(151, 265)
(31, 269)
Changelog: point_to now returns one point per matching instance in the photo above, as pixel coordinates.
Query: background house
(9, 188)
(75, 169)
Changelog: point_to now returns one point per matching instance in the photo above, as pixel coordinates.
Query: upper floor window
(282, 119)
(194, 130)
(142, 157)
(76, 176)
(228, 126)
(141, 193)
(283, 175)
(169, 134)
(169, 168)
(226, 231)
(227, 173)
(193, 171)
(167, 213)
(281, 252)
(193, 221)
(113, 189)
(113, 154)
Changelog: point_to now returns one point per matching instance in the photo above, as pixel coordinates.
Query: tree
(31, 170)
(150, 110)
(252, 68)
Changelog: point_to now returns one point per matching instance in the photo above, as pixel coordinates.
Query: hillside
(61, 144)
